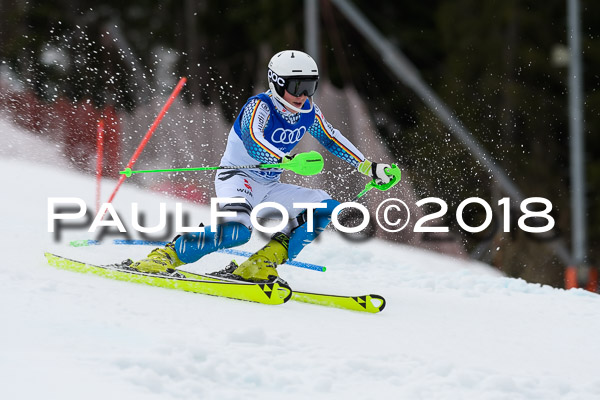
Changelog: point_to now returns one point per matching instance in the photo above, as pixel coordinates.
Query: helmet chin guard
(287, 104)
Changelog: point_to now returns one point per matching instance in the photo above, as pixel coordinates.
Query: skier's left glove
(375, 171)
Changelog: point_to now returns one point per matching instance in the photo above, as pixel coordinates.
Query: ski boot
(261, 267)
(159, 260)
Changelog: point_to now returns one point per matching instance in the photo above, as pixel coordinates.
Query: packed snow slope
(452, 329)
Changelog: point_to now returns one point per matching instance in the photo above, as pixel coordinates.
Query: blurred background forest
(501, 66)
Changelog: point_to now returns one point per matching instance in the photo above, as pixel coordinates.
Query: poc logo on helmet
(275, 78)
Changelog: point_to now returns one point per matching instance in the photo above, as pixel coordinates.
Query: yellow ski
(371, 303)
(265, 293)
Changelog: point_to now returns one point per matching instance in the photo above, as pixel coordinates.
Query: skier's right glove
(286, 158)
(375, 171)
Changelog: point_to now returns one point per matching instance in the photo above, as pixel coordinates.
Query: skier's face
(297, 102)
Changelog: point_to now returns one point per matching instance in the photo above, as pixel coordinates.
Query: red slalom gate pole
(99, 156)
(149, 134)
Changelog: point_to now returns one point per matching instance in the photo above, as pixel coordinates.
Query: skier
(266, 130)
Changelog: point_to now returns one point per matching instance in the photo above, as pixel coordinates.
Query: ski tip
(285, 292)
(379, 303)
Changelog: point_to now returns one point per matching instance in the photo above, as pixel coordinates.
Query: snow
(452, 329)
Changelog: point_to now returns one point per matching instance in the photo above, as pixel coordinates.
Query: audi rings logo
(276, 78)
(288, 136)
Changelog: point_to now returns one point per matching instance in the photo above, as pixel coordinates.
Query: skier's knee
(242, 214)
(302, 235)
(330, 205)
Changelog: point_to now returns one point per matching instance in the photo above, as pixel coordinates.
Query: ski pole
(395, 174)
(309, 163)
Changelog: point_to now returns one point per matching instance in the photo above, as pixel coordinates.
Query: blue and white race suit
(264, 132)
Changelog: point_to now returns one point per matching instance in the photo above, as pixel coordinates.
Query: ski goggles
(299, 86)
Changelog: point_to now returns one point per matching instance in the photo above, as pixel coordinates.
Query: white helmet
(295, 72)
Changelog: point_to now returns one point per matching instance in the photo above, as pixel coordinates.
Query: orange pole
(149, 134)
(590, 283)
(571, 280)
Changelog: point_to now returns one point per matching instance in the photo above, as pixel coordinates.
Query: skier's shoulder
(259, 102)
(263, 97)
(317, 109)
